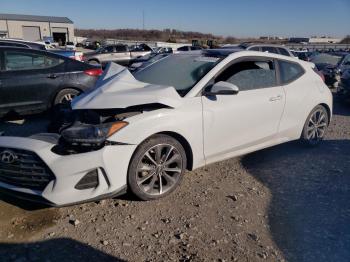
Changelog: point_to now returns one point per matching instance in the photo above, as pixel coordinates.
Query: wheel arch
(182, 140)
(186, 145)
(328, 111)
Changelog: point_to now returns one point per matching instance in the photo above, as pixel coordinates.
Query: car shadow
(61, 249)
(309, 214)
(341, 107)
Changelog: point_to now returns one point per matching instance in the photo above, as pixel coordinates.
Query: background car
(143, 62)
(71, 53)
(32, 81)
(22, 43)
(331, 65)
(274, 49)
(344, 85)
(189, 48)
(120, 54)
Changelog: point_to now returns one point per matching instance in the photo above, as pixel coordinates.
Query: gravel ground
(286, 203)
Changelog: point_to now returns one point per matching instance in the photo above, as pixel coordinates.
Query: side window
(254, 48)
(250, 75)
(289, 71)
(269, 49)
(121, 48)
(283, 51)
(109, 49)
(28, 61)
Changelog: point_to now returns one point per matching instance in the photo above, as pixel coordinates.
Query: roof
(35, 18)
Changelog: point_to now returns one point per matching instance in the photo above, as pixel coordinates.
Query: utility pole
(143, 19)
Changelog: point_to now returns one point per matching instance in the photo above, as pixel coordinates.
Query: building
(315, 40)
(37, 28)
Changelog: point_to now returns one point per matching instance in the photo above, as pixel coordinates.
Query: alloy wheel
(159, 169)
(317, 126)
(67, 98)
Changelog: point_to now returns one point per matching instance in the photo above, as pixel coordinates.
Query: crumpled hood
(117, 88)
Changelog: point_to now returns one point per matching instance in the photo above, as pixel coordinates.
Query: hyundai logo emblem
(8, 157)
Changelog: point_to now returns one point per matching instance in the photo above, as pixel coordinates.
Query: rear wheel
(157, 167)
(315, 126)
(65, 96)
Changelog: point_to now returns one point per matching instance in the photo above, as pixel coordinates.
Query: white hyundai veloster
(141, 132)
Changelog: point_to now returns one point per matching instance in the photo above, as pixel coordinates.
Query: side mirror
(221, 88)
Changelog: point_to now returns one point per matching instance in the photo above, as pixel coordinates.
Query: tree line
(166, 35)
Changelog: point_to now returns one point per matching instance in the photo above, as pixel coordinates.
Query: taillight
(94, 72)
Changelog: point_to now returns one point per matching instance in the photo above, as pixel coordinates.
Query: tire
(315, 126)
(151, 177)
(94, 62)
(65, 96)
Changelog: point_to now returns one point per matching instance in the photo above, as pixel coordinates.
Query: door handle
(276, 98)
(52, 76)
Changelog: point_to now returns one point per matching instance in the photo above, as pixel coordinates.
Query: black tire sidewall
(140, 151)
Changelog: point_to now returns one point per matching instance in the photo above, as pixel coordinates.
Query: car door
(246, 121)
(107, 54)
(122, 55)
(28, 80)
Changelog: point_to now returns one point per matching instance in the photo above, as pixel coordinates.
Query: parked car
(120, 54)
(344, 85)
(141, 132)
(189, 48)
(143, 62)
(304, 55)
(268, 48)
(331, 65)
(22, 44)
(41, 46)
(162, 50)
(70, 45)
(32, 81)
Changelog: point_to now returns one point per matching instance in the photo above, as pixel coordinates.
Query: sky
(239, 18)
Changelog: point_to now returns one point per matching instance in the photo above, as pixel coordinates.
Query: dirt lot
(286, 203)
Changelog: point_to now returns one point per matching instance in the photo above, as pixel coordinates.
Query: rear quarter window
(289, 71)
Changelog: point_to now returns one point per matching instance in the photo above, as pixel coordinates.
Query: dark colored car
(146, 60)
(344, 85)
(22, 44)
(304, 55)
(32, 81)
(331, 65)
(189, 48)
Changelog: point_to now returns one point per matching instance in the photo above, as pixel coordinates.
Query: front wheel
(156, 168)
(315, 126)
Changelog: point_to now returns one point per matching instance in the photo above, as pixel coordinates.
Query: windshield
(326, 59)
(180, 71)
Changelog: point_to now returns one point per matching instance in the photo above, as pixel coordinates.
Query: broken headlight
(85, 134)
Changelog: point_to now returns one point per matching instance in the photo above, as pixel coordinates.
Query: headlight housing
(86, 134)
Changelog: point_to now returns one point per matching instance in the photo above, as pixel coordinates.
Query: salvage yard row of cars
(129, 129)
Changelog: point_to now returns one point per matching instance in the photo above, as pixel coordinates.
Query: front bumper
(111, 162)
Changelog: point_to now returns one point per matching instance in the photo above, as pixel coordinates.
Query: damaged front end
(88, 130)
(97, 115)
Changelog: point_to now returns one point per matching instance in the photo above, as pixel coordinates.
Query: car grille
(23, 169)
